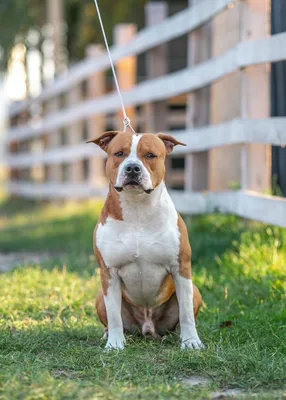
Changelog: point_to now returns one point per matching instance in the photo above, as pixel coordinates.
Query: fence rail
(268, 50)
(176, 26)
(246, 204)
(268, 131)
(245, 131)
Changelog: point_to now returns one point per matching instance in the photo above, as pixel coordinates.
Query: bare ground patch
(9, 261)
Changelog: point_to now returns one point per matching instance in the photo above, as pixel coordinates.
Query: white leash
(126, 120)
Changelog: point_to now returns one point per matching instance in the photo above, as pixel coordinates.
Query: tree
(18, 17)
(83, 25)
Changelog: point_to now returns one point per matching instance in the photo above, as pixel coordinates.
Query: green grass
(50, 346)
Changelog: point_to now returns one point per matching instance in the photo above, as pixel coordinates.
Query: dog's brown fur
(165, 315)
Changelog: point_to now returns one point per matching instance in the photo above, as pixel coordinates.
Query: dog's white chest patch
(121, 243)
(142, 249)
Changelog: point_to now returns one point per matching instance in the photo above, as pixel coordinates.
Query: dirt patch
(9, 261)
(226, 394)
(204, 381)
(196, 380)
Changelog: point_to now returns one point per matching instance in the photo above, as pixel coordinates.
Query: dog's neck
(137, 198)
(141, 208)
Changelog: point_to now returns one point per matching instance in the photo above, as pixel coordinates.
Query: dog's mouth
(132, 185)
(129, 185)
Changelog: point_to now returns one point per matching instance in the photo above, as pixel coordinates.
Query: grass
(50, 346)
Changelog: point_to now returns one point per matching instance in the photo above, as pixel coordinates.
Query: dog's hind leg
(100, 308)
(197, 300)
(129, 322)
(167, 317)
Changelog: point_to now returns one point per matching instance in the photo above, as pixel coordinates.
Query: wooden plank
(157, 65)
(57, 26)
(254, 52)
(149, 38)
(53, 191)
(267, 209)
(126, 70)
(171, 85)
(63, 154)
(268, 131)
(251, 205)
(96, 87)
(255, 165)
(53, 142)
(224, 163)
(74, 137)
(158, 89)
(198, 107)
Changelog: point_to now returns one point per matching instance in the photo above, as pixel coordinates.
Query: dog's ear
(103, 140)
(169, 142)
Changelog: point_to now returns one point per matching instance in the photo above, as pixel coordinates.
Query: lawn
(50, 338)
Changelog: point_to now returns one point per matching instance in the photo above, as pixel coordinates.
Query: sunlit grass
(50, 338)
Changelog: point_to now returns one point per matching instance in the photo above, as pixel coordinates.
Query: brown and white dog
(141, 245)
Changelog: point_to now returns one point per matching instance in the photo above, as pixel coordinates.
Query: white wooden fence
(46, 150)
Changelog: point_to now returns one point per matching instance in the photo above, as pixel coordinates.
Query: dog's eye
(119, 154)
(150, 155)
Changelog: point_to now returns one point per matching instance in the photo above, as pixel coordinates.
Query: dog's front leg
(113, 300)
(184, 291)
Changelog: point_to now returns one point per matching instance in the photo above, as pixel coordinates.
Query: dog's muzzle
(132, 171)
(132, 178)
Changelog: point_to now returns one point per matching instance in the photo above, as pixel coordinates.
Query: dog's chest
(142, 254)
(121, 243)
(143, 247)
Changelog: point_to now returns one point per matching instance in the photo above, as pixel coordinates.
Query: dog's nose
(132, 169)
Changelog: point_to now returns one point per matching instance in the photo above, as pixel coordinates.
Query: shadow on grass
(10, 206)
(73, 233)
(241, 273)
(212, 235)
(235, 357)
(48, 322)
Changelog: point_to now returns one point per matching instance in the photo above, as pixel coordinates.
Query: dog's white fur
(146, 179)
(140, 251)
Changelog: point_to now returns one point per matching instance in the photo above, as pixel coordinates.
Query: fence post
(55, 17)
(16, 174)
(156, 62)
(75, 169)
(255, 158)
(126, 70)
(96, 87)
(198, 109)
(224, 162)
(53, 141)
(240, 164)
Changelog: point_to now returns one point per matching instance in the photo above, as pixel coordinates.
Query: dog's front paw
(118, 345)
(190, 338)
(193, 343)
(115, 341)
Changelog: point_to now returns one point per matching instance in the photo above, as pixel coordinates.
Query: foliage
(50, 346)
(18, 16)
(83, 24)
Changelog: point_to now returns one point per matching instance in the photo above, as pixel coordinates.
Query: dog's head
(135, 163)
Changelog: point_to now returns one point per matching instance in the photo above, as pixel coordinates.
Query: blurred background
(57, 91)
(210, 72)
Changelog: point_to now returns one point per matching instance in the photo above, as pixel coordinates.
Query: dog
(141, 245)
